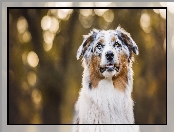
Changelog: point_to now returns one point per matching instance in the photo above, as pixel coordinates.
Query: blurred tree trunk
(18, 100)
(52, 87)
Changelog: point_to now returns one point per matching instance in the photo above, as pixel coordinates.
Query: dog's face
(107, 53)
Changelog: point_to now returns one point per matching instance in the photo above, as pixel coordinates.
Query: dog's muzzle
(110, 65)
(109, 68)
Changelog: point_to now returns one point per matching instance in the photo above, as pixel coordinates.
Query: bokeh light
(61, 14)
(36, 96)
(48, 37)
(32, 59)
(31, 78)
(162, 12)
(47, 46)
(86, 21)
(156, 11)
(46, 22)
(86, 12)
(50, 25)
(100, 12)
(22, 25)
(145, 22)
(68, 11)
(54, 25)
(26, 37)
(64, 14)
(108, 16)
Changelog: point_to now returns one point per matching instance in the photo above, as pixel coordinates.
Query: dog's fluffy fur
(105, 97)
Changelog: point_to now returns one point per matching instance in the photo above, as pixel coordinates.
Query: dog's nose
(109, 55)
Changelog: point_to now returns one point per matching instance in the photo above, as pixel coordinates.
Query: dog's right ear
(126, 38)
(86, 46)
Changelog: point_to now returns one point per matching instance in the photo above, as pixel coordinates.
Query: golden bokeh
(86, 12)
(22, 25)
(145, 22)
(48, 37)
(100, 12)
(46, 22)
(108, 16)
(31, 78)
(36, 96)
(32, 59)
(26, 37)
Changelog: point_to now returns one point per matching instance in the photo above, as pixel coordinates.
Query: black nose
(109, 55)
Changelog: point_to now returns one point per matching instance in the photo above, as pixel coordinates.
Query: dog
(105, 97)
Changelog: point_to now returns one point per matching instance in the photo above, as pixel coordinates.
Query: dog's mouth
(109, 68)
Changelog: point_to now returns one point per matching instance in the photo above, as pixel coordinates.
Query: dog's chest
(105, 93)
(104, 104)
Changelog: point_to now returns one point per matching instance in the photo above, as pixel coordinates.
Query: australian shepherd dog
(105, 97)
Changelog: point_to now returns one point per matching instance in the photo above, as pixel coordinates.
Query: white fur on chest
(104, 104)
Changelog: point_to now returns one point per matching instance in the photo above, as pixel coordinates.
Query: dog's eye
(117, 44)
(99, 45)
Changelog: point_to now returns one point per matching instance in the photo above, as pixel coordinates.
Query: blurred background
(22, 109)
(45, 77)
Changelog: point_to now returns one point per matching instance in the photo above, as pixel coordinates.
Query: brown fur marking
(95, 75)
(102, 40)
(126, 38)
(113, 39)
(121, 80)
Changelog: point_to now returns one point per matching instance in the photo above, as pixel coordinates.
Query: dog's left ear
(127, 40)
(86, 46)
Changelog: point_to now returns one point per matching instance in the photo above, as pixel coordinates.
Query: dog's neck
(106, 103)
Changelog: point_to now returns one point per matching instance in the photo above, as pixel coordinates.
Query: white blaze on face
(108, 47)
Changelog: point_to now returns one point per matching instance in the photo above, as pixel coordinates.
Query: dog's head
(107, 52)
